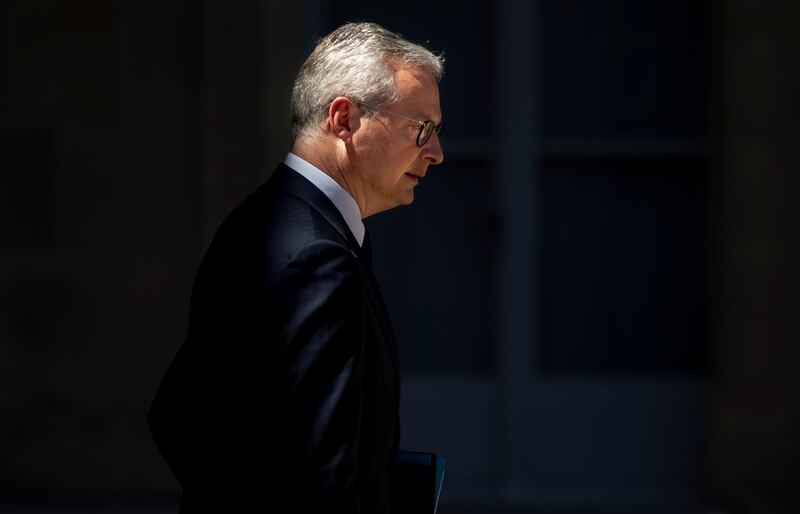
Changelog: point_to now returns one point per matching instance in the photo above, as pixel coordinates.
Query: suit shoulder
(272, 227)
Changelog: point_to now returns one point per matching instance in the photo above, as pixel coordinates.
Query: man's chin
(405, 197)
(401, 201)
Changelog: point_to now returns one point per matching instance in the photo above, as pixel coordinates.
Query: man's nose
(432, 150)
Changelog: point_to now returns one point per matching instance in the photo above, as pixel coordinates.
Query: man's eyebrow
(423, 117)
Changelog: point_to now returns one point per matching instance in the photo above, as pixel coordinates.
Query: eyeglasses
(426, 128)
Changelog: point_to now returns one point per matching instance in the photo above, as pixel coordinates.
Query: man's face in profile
(387, 157)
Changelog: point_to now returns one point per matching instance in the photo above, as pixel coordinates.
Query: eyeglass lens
(425, 132)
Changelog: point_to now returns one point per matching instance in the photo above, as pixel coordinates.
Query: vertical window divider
(515, 112)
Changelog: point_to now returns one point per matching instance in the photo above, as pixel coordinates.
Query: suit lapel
(295, 184)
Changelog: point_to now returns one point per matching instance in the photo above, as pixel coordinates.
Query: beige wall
(754, 429)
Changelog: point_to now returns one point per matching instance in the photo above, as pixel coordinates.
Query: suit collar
(342, 199)
(295, 184)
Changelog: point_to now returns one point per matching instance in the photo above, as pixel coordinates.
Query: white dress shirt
(335, 193)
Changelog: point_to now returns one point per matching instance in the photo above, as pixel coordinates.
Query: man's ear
(343, 117)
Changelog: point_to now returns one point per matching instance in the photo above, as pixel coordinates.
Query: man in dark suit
(285, 395)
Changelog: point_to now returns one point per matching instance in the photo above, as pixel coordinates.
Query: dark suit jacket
(285, 395)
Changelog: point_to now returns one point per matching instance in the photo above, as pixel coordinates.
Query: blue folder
(417, 482)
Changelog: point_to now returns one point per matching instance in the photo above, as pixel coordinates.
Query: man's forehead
(418, 91)
(414, 77)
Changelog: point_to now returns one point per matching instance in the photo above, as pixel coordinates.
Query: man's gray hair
(356, 60)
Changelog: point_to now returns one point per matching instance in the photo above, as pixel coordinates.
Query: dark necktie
(365, 252)
(365, 256)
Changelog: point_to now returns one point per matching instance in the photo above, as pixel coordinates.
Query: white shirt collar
(335, 193)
